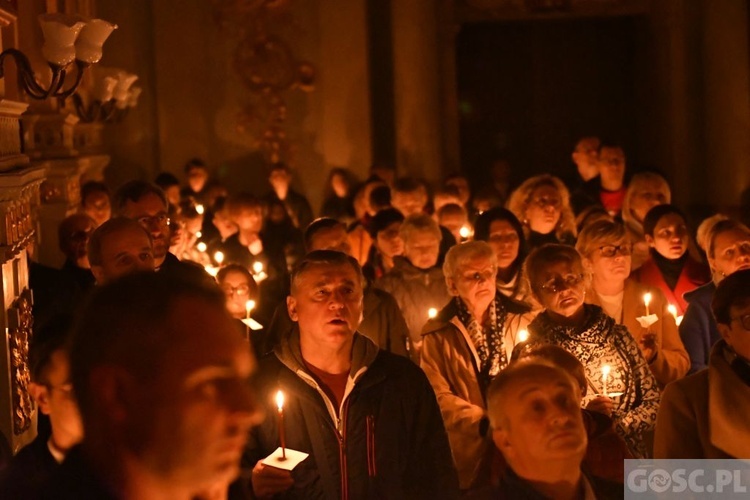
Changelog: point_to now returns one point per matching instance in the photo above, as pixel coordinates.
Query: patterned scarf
(488, 339)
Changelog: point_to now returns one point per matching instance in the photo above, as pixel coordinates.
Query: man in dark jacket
(368, 419)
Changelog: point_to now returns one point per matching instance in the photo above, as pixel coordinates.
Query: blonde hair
(521, 197)
(463, 252)
(600, 233)
(638, 182)
(419, 223)
(704, 230)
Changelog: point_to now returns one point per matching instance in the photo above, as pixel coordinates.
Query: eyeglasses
(159, 219)
(241, 290)
(613, 250)
(559, 284)
(478, 277)
(546, 202)
(744, 321)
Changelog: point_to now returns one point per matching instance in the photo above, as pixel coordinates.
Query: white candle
(280, 407)
(647, 301)
(605, 376)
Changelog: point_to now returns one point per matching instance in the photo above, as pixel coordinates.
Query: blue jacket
(698, 329)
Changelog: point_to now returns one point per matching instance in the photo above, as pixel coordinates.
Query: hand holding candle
(280, 406)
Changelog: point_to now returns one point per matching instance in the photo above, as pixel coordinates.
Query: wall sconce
(113, 93)
(65, 38)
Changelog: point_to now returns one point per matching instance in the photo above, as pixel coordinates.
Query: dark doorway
(529, 89)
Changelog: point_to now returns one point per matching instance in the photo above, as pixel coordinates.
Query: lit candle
(249, 306)
(201, 246)
(432, 312)
(257, 267)
(465, 232)
(199, 208)
(605, 376)
(673, 311)
(523, 336)
(219, 257)
(280, 406)
(647, 301)
(198, 234)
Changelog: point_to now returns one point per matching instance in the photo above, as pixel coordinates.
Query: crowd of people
(424, 343)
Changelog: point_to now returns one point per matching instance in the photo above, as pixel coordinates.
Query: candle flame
(257, 267)
(199, 209)
(672, 310)
(432, 312)
(201, 246)
(647, 298)
(198, 234)
(465, 232)
(605, 371)
(219, 257)
(523, 335)
(250, 305)
(280, 400)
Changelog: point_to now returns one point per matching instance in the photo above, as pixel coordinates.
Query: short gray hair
(419, 223)
(459, 254)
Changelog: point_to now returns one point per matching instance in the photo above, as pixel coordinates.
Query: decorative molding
(20, 321)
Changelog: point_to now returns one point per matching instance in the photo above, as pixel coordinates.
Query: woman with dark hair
(337, 200)
(622, 383)
(502, 230)
(670, 267)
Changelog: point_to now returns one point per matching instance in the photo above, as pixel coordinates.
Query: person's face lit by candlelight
(544, 209)
(505, 242)
(670, 237)
(125, 251)
(610, 262)
(561, 289)
(238, 287)
(326, 301)
(331, 238)
(197, 177)
(612, 167)
(730, 251)
(151, 213)
(248, 219)
(473, 281)
(651, 193)
(586, 156)
(409, 203)
(97, 206)
(422, 249)
(340, 185)
(389, 242)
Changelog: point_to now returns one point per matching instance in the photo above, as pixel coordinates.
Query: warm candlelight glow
(201, 246)
(647, 301)
(199, 209)
(219, 257)
(523, 335)
(673, 311)
(432, 312)
(465, 232)
(280, 400)
(198, 234)
(249, 306)
(213, 271)
(257, 267)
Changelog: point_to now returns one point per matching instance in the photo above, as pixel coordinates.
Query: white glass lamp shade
(90, 41)
(122, 89)
(60, 33)
(135, 92)
(104, 89)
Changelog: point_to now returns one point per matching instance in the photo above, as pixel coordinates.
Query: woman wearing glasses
(463, 348)
(542, 204)
(606, 252)
(239, 288)
(622, 386)
(705, 415)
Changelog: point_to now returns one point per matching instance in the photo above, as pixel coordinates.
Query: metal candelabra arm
(28, 82)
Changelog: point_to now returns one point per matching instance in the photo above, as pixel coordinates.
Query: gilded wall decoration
(20, 321)
(267, 67)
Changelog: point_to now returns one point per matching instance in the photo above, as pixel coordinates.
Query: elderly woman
(415, 281)
(645, 191)
(670, 267)
(605, 249)
(542, 203)
(464, 347)
(504, 233)
(705, 415)
(728, 251)
(615, 368)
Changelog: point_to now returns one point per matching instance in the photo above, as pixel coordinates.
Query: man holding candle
(368, 418)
